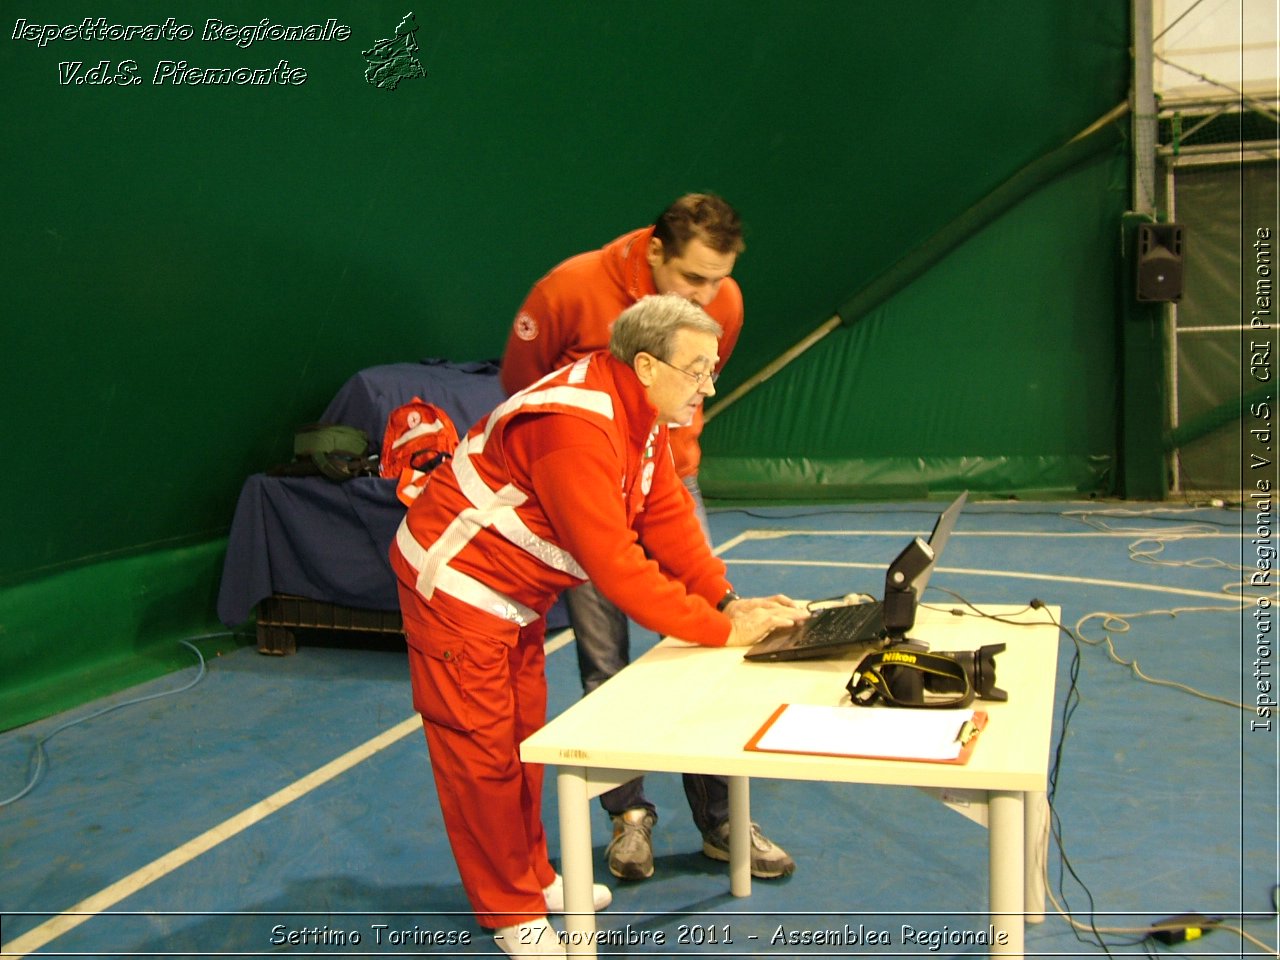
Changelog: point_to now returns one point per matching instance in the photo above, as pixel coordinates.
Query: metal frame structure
(1188, 118)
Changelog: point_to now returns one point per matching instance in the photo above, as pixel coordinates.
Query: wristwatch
(727, 599)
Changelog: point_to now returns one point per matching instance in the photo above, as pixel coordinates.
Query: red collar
(638, 273)
(642, 416)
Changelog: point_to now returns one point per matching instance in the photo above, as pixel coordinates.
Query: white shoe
(601, 895)
(533, 938)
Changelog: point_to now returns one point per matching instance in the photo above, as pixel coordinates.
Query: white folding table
(689, 709)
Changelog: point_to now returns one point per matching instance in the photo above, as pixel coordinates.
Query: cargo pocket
(439, 688)
(459, 683)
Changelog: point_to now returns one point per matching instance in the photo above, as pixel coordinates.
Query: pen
(967, 731)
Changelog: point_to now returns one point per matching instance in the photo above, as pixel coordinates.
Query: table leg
(1007, 844)
(575, 861)
(1037, 835)
(740, 836)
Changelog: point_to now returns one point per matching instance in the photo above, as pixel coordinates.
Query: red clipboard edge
(979, 724)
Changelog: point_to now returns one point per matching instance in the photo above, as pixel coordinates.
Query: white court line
(105, 899)
(1050, 535)
(559, 641)
(566, 637)
(1011, 574)
(760, 535)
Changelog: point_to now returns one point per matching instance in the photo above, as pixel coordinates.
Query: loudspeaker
(1159, 262)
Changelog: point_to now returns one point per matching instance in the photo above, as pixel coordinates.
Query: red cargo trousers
(480, 686)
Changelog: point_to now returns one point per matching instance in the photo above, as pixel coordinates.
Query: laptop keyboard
(837, 624)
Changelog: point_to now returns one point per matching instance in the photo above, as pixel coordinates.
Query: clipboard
(921, 736)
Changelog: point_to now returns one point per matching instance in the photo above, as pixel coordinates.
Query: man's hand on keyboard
(753, 617)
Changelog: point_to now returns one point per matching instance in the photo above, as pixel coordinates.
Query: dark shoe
(630, 851)
(768, 860)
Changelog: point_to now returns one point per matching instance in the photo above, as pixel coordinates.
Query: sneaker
(533, 938)
(768, 860)
(630, 851)
(601, 896)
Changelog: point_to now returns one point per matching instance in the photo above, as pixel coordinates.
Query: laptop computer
(866, 627)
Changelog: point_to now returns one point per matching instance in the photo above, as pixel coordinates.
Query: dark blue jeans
(604, 648)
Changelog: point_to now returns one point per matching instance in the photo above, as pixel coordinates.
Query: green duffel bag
(332, 450)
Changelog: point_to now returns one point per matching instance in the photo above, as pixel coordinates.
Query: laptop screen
(909, 573)
(938, 539)
(827, 634)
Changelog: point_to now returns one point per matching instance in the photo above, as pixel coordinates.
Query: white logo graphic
(526, 327)
(646, 478)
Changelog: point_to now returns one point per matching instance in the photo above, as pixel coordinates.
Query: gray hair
(650, 325)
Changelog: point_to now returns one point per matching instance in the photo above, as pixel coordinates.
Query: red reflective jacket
(570, 311)
(568, 480)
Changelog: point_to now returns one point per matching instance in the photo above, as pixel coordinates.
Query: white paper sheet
(880, 732)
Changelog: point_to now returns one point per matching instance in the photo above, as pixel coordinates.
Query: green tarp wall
(1220, 390)
(191, 270)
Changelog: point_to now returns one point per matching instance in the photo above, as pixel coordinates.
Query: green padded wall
(993, 372)
(192, 270)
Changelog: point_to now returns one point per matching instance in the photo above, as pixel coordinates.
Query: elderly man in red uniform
(689, 251)
(568, 480)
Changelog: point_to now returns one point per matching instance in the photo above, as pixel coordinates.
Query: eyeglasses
(697, 378)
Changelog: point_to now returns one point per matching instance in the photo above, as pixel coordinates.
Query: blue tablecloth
(326, 541)
(310, 537)
(465, 391)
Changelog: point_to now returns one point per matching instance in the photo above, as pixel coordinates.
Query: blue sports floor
(285, 805)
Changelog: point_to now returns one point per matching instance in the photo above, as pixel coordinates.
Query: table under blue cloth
(314, 538)
(465, 391)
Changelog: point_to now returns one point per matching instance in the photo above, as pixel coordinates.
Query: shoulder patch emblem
(526, 327)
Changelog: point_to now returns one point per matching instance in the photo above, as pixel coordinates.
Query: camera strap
(869, 682)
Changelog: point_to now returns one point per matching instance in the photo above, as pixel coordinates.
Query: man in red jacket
(690, 252)
(568, 480)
